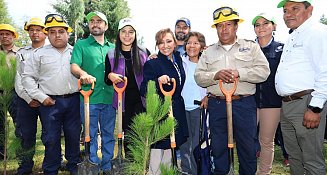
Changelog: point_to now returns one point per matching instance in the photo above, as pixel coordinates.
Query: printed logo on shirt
(244, 49)
(279, 49)
(297, 45)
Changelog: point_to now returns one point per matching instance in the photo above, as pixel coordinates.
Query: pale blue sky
(153, 15)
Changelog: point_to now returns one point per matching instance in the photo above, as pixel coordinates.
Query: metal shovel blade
(87, 168)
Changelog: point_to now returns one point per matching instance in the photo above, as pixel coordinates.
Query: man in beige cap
(301, 80)
(229, 59)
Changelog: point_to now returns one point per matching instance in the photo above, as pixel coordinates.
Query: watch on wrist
(314, 109)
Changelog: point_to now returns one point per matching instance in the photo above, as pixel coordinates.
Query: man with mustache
(182, 28)
(301, 80)
(88, 64)
(47, 79)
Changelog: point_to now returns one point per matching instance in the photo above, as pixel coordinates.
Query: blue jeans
(64, 114)
(104, 114)
(244, 130)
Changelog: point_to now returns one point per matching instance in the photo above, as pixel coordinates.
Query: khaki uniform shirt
(48, 73)
(11, 54)
(245, 56)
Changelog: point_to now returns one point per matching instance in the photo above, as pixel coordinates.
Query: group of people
(277, 83)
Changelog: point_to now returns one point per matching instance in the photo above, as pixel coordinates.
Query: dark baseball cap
(186, 20)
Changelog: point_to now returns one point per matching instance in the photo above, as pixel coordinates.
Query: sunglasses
(49, 18)
(225, 11)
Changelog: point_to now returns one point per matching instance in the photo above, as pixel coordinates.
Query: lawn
(278, 165)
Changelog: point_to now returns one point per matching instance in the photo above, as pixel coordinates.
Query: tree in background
(76, 10)
(4, 16)
(323, 19)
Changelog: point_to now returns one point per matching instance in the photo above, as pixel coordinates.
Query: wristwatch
(315, 109)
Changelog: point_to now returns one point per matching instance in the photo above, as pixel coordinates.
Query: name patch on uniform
(244, 49)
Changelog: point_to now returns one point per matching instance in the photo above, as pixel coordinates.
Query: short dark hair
(306, 4)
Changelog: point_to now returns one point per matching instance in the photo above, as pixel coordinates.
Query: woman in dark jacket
(168, 65)
(268, 101)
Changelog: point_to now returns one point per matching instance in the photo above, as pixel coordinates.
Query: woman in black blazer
(168, 65)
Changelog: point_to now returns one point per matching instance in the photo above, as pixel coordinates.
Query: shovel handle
(170, 94)
(172, 91)
(86, 95)
(120, 91)
(228, 93)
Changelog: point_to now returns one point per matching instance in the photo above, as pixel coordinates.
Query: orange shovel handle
(120, 90)
(171, 92)
(85, 93)
(228, 93)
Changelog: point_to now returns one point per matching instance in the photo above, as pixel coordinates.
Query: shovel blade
(87, 168)
(118, 165)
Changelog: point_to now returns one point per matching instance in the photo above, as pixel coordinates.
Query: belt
(234, 97)
(297, 95)
(65, 95)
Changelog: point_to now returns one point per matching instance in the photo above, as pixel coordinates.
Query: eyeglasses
(49, 18)
(225, 11)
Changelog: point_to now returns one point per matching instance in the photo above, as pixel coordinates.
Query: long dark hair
(135, 54)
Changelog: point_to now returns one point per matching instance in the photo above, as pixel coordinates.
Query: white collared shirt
(303, 64)
(48, 73)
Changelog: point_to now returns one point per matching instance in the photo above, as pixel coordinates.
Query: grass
(278, 165)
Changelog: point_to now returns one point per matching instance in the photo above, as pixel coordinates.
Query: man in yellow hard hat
(8, 34)
(27, 107)
(47, 79)
(229, 60)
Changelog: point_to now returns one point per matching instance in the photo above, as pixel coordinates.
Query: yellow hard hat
(34, 22)
(223, 14)
(9, 28)
(56, 20)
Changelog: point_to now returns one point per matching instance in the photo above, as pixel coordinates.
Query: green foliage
(148, 128)
(7, 79)
(166, 170)
(73, 11)
(113, 9)
(4, 16)
(323, 19)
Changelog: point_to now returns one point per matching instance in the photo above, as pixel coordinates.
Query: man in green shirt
(88, 64)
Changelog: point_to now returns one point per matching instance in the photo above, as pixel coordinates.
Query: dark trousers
(64, 114)
(131, 110)
(26, 128)
(280, 142)
(244, 130)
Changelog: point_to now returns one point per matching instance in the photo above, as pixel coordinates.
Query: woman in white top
(194, 45)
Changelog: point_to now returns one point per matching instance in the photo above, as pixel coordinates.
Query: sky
(152, 15)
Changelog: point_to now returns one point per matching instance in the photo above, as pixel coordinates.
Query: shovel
(228, 94)
(118, 162)
(172, 135)
(87, 167)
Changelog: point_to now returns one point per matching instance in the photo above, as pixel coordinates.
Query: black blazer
(152, 70)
